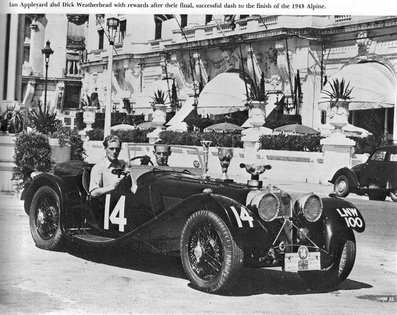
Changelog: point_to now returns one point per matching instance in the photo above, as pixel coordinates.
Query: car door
(373, 172)
(391, 169)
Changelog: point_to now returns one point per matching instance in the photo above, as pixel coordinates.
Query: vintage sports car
(217, 226)
(376, 178)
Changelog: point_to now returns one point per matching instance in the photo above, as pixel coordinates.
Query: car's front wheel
(336, 266)
(210, 257)
(44, 219)
(341, 186)
(393, 195)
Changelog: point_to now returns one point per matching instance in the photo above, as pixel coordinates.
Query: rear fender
(44, 179)
(353, 182)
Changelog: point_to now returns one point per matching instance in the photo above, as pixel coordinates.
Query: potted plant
(340, 91)
(43, 120)
(340, 96)
(158, 99)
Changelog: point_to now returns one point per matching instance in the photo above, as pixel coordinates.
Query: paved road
(83, 281)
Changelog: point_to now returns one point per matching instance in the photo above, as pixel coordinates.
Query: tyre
(336, 265)
(44, 219)
(376, 195)
(341, 186)
(210, 257)
(393, 195)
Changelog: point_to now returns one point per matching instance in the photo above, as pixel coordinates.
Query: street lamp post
(112, 24)
(47, 52)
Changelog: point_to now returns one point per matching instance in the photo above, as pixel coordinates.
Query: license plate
(293, 262)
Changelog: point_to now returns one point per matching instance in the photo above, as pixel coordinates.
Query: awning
(222, 95)
(182, 113)
(373, 86)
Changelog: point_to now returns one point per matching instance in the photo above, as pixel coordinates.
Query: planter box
(59, 154)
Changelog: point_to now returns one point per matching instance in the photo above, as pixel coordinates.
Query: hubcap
(47, 217)
(205, 252)
(341, 186)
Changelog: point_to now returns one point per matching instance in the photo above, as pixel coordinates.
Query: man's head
(162, 152)
(112, 145)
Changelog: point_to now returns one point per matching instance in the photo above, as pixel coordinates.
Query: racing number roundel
(303, 252)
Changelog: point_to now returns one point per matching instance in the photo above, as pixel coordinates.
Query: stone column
(3, 26)
(37, 37)
(337, 151)
(12, 58)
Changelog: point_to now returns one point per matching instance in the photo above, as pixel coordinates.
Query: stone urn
(159, 119)
(225, 155)
(339, 114)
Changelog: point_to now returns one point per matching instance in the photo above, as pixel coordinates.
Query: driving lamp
(311, 206)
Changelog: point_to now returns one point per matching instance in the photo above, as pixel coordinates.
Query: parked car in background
(376, 178)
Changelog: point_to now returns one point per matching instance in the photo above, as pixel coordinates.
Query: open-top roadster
(216, 226)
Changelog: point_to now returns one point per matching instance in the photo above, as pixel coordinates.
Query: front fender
(352, 178)
(44, 179)
(339, 213)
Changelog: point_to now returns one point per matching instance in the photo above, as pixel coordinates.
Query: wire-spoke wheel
(44, 217)
(210, 257)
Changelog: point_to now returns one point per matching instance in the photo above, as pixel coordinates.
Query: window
(323, 116)
(378, 156)
(122, 30)
(208, 18)
(183, 20)
(101, 34)
(72, 64)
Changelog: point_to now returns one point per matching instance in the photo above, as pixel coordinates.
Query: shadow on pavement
(252, 281)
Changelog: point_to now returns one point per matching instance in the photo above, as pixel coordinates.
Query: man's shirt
(101, 173)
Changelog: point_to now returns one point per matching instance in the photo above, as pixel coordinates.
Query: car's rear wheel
(393, 195)
(341, 186)
(44, 219)
(336, 266)
(376, 195)
(210, 257)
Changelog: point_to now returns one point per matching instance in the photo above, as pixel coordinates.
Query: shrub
(309, 143)
(136, 135)
(32, 153)
(194, 138)
(67, 135)
(95, 134)
(367, 144)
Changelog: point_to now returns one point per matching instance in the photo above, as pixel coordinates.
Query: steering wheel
(119, 172)
(145, 159)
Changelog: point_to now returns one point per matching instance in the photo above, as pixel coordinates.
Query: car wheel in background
(341, 186)
(376, 195)
(393, 195)
(44, 219)
(336, 265)
(210, 257)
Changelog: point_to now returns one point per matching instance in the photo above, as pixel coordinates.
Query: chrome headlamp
(310, 205)
(270, 204)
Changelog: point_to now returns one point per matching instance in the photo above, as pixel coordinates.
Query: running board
(82, 234)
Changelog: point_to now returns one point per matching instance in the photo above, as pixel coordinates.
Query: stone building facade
(192, 50)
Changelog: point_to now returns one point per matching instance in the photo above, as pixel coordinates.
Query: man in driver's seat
(161, 152)
(102, 180)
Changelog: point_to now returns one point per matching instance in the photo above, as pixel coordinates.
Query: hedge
(308, 143)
